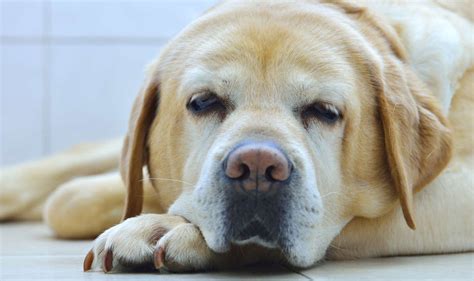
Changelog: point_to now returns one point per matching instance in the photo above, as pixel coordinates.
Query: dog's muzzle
(256, 176)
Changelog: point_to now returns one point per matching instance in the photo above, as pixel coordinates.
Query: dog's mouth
(256, 232)
(255, 219)
(254, 228)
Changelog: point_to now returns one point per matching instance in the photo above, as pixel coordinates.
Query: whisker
(154, 194)
(336, 247)
(331, 193)
(168, 179)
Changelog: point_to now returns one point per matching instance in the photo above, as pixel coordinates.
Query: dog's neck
(437, 41)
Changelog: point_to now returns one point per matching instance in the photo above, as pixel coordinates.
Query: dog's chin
(296, 251)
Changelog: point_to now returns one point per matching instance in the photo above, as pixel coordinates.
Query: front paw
(147, 242)
(130, 244)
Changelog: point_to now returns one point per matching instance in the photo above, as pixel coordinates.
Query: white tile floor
(29, 252)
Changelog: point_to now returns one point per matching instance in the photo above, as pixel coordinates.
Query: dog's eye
(205, 103)
(324, 112)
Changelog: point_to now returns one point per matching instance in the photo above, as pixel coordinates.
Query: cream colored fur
(360, 217)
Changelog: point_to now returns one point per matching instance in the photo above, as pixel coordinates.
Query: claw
(86, 266)
(108, 261)
(159, 257)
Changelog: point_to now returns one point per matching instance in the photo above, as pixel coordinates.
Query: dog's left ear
(417, 139)
(134, 149)
(418, 142)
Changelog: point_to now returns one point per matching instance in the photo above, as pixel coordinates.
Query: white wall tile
(2, 94)
(21, 18)
(21, 111)
(91, 85)
(92, 90)
(135, 19)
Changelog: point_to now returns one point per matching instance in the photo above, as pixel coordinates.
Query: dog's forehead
(268, 60)
(248, 51)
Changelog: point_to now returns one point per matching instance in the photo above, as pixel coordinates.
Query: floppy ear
(134, 149)
(418, 142)
(417, 138)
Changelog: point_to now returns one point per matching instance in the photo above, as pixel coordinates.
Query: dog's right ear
(134, 149)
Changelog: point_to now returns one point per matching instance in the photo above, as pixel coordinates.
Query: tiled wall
(70, 69)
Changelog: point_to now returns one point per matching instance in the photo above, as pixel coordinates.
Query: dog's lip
(256, 240)
(255, 232)
(254, 229)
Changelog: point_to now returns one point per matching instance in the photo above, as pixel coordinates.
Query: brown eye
(324, 112)
(205, 103)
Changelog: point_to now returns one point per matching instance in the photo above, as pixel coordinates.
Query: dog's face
(276, 125)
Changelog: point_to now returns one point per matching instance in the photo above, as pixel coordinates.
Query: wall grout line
(82, 40)
(46, 54)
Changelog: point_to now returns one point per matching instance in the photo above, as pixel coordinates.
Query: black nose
(257, 167)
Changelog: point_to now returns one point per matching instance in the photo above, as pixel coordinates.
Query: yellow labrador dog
(286, 131)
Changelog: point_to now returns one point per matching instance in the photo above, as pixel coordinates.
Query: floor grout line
(42, 256)
(304, 275)
(297, 272)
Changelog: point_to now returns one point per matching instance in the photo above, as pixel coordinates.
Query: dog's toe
(108, 260)
(183, 249)
(159, 257)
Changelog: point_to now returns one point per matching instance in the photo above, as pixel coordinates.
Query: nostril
(269, 172)
(237, 171)
(245, 172)
(279, 172)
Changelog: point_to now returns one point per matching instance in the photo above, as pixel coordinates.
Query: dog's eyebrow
(196, 78)
(200, 79)
(329, 91)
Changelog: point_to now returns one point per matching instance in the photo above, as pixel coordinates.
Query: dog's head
(280, 124)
